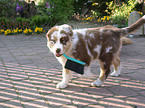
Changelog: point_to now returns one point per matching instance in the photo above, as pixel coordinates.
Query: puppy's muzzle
(58, 52)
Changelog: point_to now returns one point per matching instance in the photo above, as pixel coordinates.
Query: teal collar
(74, 60)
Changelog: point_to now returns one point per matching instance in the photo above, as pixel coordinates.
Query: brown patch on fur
(106, 62)
(124, 40)
(82, 53)
(92, 42)
(70, 32)
(65, 39)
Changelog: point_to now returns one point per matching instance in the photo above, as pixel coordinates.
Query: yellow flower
(20, 30)
(140, 12)
(25, 31)
(108, 18)
(38, 30)
(99, 20)
(15, 31)
(2, 30)
(9, 31)
(6, 32)
(29, 30)
(88, 18)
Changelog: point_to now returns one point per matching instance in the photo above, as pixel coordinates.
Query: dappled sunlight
(114, 102)
(27, 82)
(82, 98)
(136, 101)
(5, 84)
(11, 104)
(135, 85)
(33, 87)
(136, 60)
(58, 99)
(36, 104)
(47, 88)
(131, 66)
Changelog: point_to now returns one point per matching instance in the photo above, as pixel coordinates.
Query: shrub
(20, 19)
(57, 10)
(119, 14)
(60, 10)
(78, 5)
(7, 8)
(100, 6)
(22, 23)
(3, 22)
(39, 20)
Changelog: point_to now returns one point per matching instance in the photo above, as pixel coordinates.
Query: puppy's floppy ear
(66, 29)
(48, 34)
(70, 31)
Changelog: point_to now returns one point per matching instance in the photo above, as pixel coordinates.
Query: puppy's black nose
(58, 50)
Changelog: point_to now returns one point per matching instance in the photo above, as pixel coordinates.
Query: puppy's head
(59, 39)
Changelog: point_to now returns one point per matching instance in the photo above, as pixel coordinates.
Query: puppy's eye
(64, 40)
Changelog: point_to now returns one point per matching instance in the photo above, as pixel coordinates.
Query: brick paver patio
(29, 74)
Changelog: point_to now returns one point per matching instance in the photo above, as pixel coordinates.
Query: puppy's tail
(126, 41)
(133, 27)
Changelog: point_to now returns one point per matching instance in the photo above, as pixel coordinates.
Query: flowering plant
(27, 31)
(8, 32)
(39, 30)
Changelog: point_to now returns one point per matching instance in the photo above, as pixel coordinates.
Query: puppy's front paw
(61, 85)
(97, 83)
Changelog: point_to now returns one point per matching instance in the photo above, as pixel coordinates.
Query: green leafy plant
(119, 14)
(60, 10)
(41, 20)
(7, 8)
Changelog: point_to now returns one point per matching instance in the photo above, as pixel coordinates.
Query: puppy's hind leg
(66, 76)
(105, 70)
(117, 67)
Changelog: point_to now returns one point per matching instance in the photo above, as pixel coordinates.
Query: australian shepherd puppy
(87, 45)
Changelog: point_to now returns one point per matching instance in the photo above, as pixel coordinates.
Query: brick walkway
(29, 74)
